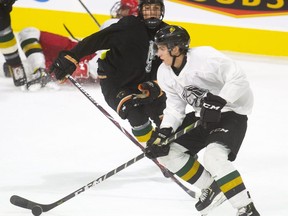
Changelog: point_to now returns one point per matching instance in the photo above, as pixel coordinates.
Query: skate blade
(52, 85)
(214, 204)
(34, 87)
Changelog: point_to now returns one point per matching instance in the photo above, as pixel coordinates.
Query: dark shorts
(230, 132)
(5, 19)
(152, 111)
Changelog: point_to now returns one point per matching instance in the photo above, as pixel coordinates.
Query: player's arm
(67, 60)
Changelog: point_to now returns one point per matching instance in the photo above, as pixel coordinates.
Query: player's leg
(9, 47)
(223, 145)
(37, 76)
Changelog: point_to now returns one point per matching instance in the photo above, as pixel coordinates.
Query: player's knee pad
(143, 132)
(215, 158)
(28, 33)
(176, 158)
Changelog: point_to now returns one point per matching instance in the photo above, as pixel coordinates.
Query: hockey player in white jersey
(218, 90)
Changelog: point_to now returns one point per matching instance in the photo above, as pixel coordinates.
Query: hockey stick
(84, 6)
(123, 130)
(70, 33)
(25, 203)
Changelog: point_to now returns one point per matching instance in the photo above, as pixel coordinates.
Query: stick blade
(21, 202)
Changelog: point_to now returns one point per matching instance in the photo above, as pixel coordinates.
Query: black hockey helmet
(172, 36)
(151, 22)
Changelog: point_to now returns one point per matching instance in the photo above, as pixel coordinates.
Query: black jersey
(129, 59)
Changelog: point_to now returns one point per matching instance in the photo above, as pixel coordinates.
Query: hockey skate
(7, 71)
(39, 79)
(248, 210)
(210, 198)
(18, 74)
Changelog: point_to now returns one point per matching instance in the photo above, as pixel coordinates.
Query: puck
(37, 210)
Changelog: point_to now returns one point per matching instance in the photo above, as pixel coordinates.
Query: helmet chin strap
(174, 58)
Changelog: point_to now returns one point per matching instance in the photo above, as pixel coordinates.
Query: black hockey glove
(126, 101)
(66, 63)
(211, 110)
(150, 91)
(154, 148)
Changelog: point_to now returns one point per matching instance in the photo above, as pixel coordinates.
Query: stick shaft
(124, 131)
(91, 15)
(25, 203)
(70, 33)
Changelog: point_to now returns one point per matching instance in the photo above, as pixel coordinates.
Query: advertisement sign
(250, 26)
(240, 8)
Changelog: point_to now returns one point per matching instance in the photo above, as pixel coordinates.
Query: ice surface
(54, 142)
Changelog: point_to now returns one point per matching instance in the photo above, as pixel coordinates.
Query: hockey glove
(126, 101)
(154, 148)
(150, 91)
(65, 64)
(211, 110)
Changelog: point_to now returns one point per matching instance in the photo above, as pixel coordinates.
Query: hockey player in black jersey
(127, 67)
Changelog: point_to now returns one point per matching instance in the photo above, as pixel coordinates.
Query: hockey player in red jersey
(218, 90)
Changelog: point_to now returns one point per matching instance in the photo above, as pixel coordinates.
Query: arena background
(254, 30)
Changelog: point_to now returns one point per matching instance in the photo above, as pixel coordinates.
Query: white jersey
(206, 70)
